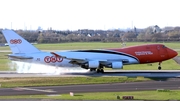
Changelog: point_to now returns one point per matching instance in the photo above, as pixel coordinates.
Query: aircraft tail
(17, 43)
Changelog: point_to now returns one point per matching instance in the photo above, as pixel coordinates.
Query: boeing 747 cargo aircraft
(95, 60)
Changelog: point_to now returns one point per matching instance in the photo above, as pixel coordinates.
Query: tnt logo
(15, 41)
(53, 59)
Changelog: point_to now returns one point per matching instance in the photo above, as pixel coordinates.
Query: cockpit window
(163, 46)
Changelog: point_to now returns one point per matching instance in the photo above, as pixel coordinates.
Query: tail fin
(17, 43)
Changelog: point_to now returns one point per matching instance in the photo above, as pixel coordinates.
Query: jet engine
(91, 64)
(116, 65)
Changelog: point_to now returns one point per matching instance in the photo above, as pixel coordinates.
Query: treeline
(142, 35)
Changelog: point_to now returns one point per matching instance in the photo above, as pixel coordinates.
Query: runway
(129, 73)
(172, 84)
(169, 83)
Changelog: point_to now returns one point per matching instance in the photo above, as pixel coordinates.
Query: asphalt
(172, 84)
(117, 73)
(161, 83)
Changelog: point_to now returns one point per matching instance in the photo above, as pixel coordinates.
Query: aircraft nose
(172, 53)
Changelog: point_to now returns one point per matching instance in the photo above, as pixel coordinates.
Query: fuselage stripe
(107, 52)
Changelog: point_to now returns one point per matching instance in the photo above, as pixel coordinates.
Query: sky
(88, 14)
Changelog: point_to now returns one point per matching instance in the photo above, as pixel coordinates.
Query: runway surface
(129, 73)
(172, 84)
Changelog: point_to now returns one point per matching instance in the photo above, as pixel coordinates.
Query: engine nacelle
(93, 64)
(116, 65)
(90, 64)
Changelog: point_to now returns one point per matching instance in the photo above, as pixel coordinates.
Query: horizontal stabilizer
(20, 57)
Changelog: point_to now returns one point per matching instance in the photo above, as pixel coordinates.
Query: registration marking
(144, 53)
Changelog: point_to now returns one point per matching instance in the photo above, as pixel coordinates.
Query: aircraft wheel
(159, 67)
(98, 71)
(102, 71)
(93, 69)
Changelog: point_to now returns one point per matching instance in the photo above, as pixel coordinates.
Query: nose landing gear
(159, 67)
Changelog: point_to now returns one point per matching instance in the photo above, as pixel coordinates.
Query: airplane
(94, 60)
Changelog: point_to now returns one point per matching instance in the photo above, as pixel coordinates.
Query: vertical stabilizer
(17, 43)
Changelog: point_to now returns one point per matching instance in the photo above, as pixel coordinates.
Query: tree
(129, 36)
(40, 38)
(2, 39)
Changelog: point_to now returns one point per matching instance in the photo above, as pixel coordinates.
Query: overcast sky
(88, 14)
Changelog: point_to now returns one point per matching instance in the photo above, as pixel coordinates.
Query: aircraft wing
(73, 60)
(82, 61)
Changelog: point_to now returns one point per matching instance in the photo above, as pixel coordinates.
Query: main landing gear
(98, 70)
(159, 67)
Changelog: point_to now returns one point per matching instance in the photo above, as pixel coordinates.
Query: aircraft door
(162, 51)
(148, 59)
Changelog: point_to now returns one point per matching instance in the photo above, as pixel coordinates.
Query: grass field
(92, 45)
(4, 61)
(138, 95)
(96, 45)
(54, 81)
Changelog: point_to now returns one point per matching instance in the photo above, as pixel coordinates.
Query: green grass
(166, 65)
(96, 45)
(93, 45)
(54, 81)
(138, 95)
(4, 61)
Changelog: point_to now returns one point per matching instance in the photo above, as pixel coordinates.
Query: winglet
(17, 43)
